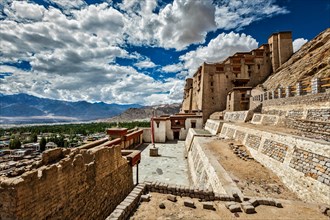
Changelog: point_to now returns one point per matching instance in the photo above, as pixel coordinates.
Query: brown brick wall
(86, 184)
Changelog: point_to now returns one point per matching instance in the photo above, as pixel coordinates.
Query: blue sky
(136, 51)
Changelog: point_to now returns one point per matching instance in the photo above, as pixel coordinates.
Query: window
(157, 124)
(258, 66)
(211, 83)
(193, 124)
(219, 69)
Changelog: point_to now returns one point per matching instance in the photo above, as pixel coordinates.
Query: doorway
(176, 135)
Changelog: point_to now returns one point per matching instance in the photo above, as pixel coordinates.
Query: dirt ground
(251, 177)
(290, 210)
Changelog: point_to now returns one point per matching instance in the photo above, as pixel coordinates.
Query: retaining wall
(213, 126)
(202, 171)
(319, 129)
(83, 184)
(303, 164)
(238, 116)
(265, 119)
(310, 107)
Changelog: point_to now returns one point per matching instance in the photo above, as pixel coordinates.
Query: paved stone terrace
(170, 167)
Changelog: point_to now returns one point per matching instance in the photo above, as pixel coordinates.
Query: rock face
(312, 60)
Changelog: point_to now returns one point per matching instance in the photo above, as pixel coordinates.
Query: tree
(15, 143)
(42, 144)
(33, 137)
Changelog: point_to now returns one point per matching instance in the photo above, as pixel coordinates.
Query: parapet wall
(83, 184)
(303, 164)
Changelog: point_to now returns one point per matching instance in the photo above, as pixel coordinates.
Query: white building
(175, 127)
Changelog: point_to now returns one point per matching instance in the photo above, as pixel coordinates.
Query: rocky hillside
(145, 113)
(313, 59)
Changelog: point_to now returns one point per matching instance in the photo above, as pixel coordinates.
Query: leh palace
(251, 141)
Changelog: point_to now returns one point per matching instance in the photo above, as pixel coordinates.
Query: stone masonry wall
(213, 126)
(318, 114)
(314, 107)
(85, 184)
(253, 141)
(274, 150)
(298, 100)
(302, 164)
(202, 171)
(238, 116)
(313, 165)
(320, 130)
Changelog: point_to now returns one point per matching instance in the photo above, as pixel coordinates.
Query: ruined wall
(84, 184)
(302, 164)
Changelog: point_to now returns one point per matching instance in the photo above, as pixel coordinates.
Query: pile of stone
(249, 206)
(240, 151)
(188, 203)
(192, 192)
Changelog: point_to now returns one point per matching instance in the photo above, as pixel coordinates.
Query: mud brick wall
(85, 184)
(253, 141)
(274, 150)
(318, 114)
(312, 165)
(316, 129)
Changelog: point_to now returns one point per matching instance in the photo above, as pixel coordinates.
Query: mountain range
(23, 108)
(145, 112)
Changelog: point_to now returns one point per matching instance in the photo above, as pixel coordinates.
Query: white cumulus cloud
(73, 47)
(298, 43)
(218, 49)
